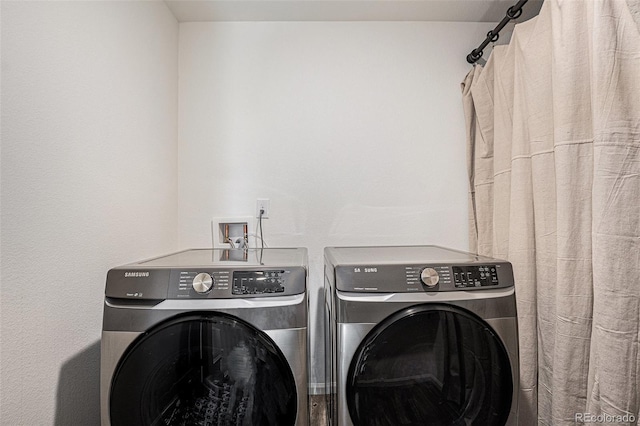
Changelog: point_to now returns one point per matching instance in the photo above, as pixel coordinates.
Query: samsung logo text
(135, 274)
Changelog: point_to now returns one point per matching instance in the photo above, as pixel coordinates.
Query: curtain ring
(513, 14)
(493, 37)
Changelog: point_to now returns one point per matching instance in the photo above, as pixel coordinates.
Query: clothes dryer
(419, 336)
(206, 337)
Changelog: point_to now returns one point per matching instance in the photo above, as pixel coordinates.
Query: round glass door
(203, 369)
(430, 365)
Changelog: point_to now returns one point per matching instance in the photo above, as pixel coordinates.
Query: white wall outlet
(229, 232)
(263, 204)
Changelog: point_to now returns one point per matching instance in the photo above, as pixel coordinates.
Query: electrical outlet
(263, 204)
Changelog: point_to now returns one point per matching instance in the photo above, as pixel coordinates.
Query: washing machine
(207, 337)
(419, 335)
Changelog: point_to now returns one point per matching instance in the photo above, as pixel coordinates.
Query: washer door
(203, 369)
(430, 365)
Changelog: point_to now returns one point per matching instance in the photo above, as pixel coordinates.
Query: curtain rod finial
(474, 56)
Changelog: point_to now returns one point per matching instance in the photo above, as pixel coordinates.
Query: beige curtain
(553, 130)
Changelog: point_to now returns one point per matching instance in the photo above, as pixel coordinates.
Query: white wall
(355, 132)
(88, 181)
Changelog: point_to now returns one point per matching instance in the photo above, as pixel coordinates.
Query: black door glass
(203, 369)
(430, 365)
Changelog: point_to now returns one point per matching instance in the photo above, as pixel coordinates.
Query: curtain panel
(553, 144)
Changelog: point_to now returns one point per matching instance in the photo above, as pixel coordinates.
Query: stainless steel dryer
(206, 337)
(420, 336)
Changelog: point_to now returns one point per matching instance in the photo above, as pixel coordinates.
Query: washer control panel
(230, 283)
(211, 274)
(258, 282)
(197, 283)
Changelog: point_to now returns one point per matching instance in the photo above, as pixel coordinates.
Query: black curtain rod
(513, 12)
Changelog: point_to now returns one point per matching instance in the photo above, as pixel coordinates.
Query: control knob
(202, 283)
(429, 277)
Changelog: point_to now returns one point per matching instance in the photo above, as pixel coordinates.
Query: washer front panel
(203, 369)
(274, 313)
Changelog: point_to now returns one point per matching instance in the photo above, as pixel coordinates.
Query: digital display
(258, 282)
(475, 276)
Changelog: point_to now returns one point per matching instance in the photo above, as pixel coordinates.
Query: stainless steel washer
(211, 337)
(419, 335)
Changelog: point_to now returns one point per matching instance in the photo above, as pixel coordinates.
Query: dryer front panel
(430, 364)
(204, 368)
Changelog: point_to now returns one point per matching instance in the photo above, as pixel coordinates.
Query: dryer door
(203, 369)
(432, 364)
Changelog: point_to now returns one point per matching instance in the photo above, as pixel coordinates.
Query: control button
(429, 277)
(202, 283)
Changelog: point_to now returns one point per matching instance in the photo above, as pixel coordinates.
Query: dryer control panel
(475, 276)
(422, 278)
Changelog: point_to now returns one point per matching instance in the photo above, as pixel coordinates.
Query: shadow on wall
(78, 395)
